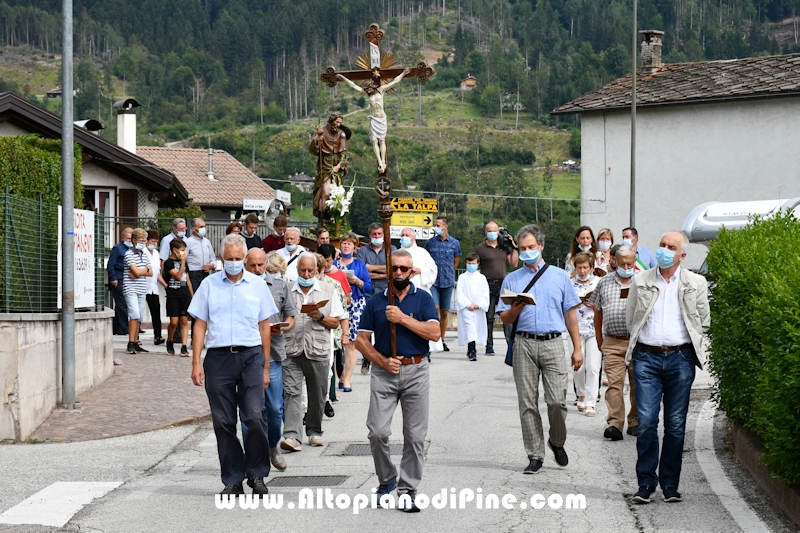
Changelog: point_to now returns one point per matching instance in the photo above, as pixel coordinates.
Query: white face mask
(604, 245)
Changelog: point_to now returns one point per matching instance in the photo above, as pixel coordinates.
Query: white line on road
(56, 504)
(745, 517)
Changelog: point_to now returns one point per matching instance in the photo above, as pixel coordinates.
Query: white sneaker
(315, 440)
(291, 445)
(276, 458)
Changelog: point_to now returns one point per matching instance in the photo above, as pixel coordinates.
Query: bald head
(255, 261)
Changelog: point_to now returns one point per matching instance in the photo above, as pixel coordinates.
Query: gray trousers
(316, 374)
(532, 358)
(411, 388)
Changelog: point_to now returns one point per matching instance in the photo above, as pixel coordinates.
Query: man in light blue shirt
(234, 307)
(538, 347)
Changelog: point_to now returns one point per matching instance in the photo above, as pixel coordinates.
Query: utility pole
(633, 121)
(67, 216)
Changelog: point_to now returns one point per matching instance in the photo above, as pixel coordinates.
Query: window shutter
(128, 209)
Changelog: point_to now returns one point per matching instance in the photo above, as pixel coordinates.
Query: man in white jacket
(424, 272)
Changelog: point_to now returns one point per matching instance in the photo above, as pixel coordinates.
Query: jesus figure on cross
(377, 118)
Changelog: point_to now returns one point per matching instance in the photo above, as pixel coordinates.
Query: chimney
(90, 125)
(210, 172)
(126, 124)
(651, 49)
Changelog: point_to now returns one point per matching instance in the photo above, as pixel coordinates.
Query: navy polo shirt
(416, 304)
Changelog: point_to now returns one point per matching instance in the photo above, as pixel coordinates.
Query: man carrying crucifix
(377, 118)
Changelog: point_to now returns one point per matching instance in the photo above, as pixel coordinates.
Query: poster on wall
(84, 258)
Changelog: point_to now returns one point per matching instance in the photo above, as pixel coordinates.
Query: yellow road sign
(429, 205)
(405, 218)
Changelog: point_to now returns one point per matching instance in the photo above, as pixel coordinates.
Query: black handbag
(510, 350)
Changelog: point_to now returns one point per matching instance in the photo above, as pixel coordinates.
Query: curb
(748, 448)
(180, 422)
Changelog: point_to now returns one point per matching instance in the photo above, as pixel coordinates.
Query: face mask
(585, 248)
(530, 257)
(472, 268)
(246, 233)
(202, 232)
(151, 247)
(401, 284)
(264, 275)
(346, 256)
(627, 242)
(127, 244)
(234, 268)
(329, 269)
(604, 245)
(438, 231)
(587, 277)
(405, 242)
(140, 246)
(665, 257)
(626, 272)
(306, 282)
(276, 233)
(492, 236)
(291, 247)
(181, 234)
(377, 242)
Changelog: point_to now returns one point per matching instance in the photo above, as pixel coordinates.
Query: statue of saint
(330, 146)
(377, 118)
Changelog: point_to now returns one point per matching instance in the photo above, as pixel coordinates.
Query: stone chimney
(126, 124)
(651, 49)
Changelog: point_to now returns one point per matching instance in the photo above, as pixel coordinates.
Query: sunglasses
(402, 269)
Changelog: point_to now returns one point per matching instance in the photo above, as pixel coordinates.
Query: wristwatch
(321, 317)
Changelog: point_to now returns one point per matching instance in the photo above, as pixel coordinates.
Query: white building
(709, 131)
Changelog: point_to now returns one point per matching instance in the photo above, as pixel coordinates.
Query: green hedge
(31, 165)
(755, 335)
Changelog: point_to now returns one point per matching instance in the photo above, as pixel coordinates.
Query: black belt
(495, 280)
(544, 337)
(234, 349)
(661, 349)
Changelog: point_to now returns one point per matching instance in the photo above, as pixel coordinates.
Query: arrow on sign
(427, 220)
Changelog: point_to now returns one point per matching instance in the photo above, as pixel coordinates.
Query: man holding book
(537, 345)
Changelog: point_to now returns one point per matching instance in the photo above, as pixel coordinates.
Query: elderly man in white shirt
(425, 269)
(291, 252)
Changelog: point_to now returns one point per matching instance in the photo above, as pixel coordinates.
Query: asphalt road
(169, 477)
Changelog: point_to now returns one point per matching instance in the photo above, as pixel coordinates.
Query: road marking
(211, 440)
(741, 512)
(55, 505)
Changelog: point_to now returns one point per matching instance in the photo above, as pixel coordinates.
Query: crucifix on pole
(376, 70)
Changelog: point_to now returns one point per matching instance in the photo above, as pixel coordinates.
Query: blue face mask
(127, 244)
(530, 257)
(665, 257)
(471, 267)
(291, 247)
(202, 232)
(405, 242)
(585, 278)
(181, 234)
(627, 242)
(438, 231)
(377, 242)
(585, 248)
(151, 247)
(234, 268)
(303, 282)
(264, 275)
(140, 246)
(491, 235)
(626, 272)
(346, 256)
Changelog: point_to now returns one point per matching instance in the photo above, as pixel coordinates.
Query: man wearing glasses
(403, 378)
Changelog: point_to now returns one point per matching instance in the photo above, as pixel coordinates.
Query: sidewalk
(148, 391)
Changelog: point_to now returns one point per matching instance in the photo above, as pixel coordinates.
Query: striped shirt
(141, 260)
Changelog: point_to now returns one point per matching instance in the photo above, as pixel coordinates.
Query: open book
(509, 298)
(307, 308)
(586, 296)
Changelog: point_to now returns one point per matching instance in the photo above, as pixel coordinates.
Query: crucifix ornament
(376, 70)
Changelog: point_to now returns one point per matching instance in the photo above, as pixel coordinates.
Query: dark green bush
(755, 335)
(31, 165)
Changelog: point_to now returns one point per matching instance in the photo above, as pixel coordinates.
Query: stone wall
(30, 365)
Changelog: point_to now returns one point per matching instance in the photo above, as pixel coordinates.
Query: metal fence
(29, 260)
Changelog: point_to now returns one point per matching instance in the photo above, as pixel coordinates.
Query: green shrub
(755, 334)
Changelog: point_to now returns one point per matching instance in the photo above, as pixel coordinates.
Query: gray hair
(684, 239)
(234, 239)
(403, 253)
(624, 251)
(296, 230)
(530, 229)
(177, 222)
(307, 255)
(374, 225)
(198, 218)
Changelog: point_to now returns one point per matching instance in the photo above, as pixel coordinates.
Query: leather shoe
(232, 489)
(560, 453)
(258, 486)
(613, 433)
(633, 430)
(533, 467)
(329, 412)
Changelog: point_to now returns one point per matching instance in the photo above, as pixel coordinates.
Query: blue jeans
(442, 297)
(273, 405)
(668, 377)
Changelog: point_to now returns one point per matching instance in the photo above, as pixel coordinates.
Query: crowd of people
(622, 307)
